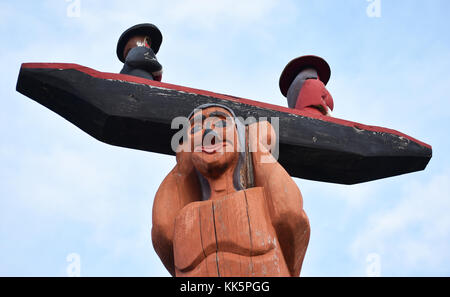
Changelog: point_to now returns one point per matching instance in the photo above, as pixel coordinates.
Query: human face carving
(136, 41)
(213, 139)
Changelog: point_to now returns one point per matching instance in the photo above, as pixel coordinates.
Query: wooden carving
(228, 208)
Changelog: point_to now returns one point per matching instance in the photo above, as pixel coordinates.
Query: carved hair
(240, 128)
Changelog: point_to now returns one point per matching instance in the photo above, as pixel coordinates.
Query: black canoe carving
(137, 113)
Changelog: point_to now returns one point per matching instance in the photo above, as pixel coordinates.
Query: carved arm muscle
(179, 188)
(284, 201)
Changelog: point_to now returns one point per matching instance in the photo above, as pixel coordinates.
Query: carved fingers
(262, 142)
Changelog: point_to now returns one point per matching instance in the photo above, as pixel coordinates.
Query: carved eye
(196, 128)
(221, 124)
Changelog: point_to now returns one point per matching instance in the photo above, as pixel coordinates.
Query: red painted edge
(129, 78)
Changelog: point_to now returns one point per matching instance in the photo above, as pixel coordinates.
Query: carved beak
(326, 105)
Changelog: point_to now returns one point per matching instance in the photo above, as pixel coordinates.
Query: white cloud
(91, 185)
(69, 184)
(101, 196)
(413, 235)
(351, 197)
(208, 13)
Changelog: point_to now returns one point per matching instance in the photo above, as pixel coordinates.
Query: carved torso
(228, 237)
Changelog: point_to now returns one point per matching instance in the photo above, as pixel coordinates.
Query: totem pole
(209, 220)
(230, 206)
(219, 223)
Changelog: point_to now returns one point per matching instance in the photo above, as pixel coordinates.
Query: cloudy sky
(63, 192)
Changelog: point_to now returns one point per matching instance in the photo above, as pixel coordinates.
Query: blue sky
(63, 192)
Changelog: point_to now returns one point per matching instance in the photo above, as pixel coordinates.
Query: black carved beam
(137, 113)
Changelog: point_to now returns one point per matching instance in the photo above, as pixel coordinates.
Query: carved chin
(213, 165)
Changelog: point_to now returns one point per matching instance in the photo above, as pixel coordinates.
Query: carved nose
(212, 136)
(206, 132)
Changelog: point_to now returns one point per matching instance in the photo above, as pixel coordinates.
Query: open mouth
(211, 142)
(211, 149)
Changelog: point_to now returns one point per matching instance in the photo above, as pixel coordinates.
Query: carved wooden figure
(137, 48)
(228, 208)
(252, 227)
(303, 82)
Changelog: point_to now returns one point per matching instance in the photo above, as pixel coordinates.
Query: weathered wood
(229, 229)
(136, 113)
(228, 237)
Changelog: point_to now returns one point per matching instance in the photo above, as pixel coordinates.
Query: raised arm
(179, 188)
(284, 199)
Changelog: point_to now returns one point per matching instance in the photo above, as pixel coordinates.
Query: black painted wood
(139, 116)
